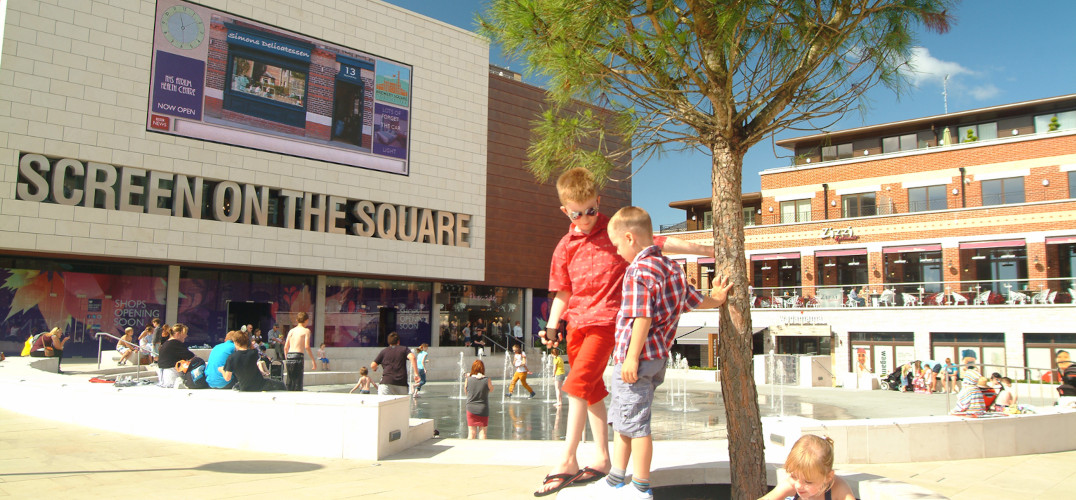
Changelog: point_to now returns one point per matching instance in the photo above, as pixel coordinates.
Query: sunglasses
(592, 211)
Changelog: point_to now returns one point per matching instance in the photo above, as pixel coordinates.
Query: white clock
(182, 27)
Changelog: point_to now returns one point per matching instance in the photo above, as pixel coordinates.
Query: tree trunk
(747, 461)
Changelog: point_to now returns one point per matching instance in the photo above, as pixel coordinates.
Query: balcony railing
(1037, 292)
(1031, 195)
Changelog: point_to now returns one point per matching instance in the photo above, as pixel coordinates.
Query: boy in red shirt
(586, 274)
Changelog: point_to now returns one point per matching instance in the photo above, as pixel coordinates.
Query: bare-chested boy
(295, 344)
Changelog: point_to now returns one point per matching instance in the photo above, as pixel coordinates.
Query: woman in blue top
(422, 352)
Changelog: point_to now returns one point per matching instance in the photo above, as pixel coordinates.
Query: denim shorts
(629, 406)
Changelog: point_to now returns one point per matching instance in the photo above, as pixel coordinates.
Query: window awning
(700, 335)
(776, 256)
(840, 253)
(992, 244)
(706, 260)
(912, 248)
(1058, 240)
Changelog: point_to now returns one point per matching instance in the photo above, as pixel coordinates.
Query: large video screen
(223, 78)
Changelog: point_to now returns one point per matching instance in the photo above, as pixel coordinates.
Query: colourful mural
(355, 309)
(82, 304)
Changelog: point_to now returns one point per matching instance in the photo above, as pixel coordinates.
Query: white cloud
(984, 92)
(925, 68)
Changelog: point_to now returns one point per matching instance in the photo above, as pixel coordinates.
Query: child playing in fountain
(654, 294)
(364, 384)
(558, 372)
(478, 389)
(585, 275)
(810, 473)
(519, 360)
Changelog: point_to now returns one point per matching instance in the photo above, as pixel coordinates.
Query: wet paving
(683, 410)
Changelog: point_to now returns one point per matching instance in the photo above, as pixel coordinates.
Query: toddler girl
(364, 383)
(810, 473)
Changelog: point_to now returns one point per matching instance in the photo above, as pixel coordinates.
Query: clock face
(183, 27)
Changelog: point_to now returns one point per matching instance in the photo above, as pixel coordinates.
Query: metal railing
(1029, 292)
(1031, 194)
(138, 361)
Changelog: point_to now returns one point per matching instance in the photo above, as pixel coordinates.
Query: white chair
(1072, 295)
(939, 299)
(1051, 297)
(888, 297)
(1018, 297)
(791, 301)
(981, 299)
(1040, 297)
(958, 298)
(909, 299)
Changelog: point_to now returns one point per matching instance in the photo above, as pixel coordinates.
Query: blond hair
(811, 458)
(633, 219)
(576, 185)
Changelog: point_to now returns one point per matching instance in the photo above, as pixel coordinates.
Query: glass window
(1065, 120)
(1003, 191)
(796, 211)
(829, 153)
(859, 205)
(926, 198)
(1072, 184)
(268, 81)
(844, 151)
(838, 152)
(980, 132)
(748, 216)
(906, 142)
(707, 220)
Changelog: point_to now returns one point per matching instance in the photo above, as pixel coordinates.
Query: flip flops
(594, 476)
(566, 479)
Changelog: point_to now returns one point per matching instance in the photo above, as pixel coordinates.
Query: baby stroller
(891, 381)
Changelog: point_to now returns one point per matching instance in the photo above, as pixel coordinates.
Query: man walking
(394, 358)
(295, 344)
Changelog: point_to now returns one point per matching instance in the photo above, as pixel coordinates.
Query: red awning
(840, 253)
(992, 244)
(1058, 240)
(776, 256)
(912, 248)
(706, 260)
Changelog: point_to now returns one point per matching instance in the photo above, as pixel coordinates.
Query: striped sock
(642, 485)
(615, 477)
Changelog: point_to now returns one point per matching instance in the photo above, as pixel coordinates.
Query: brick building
(957, 232)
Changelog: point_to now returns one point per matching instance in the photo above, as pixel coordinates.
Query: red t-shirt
(588, 266)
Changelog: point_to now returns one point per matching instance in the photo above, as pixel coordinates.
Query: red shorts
(476, 421)
(589, 348)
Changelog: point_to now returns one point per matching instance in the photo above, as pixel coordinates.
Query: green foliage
(970, 136)
(1054, 124)
(688, 74)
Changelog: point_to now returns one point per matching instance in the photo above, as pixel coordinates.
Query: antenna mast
(945, 93)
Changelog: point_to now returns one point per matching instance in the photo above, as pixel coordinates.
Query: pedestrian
(322, 357)
(478, 389)
(296, 345)
(517, 334)
(394, 358)
(558, 373)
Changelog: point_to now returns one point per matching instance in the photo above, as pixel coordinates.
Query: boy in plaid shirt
(654, 294)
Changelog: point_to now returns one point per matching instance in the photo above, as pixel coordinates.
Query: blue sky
(997, 52)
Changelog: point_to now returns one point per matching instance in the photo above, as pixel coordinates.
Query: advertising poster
(223, 78)
(80, 304)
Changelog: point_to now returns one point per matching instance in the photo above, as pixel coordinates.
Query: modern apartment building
(917, 239)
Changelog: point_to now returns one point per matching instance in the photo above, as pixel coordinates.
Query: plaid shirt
(654, 287)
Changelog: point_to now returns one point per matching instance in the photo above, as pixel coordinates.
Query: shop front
(998, 266)
(361, 312)
(775, 278)
(915, 270)
(494, 310)
(839, 273)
